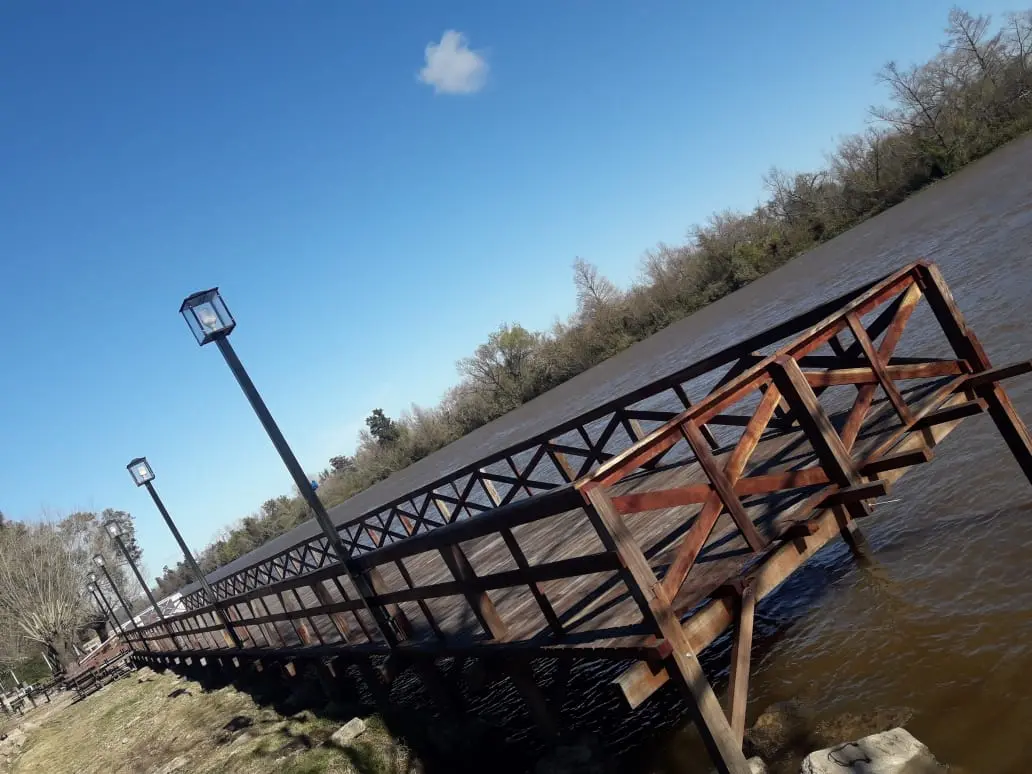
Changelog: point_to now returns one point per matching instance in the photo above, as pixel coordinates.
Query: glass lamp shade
(141, 471)
(98, 560)
(207, 316)
(93, 578)
(113, 529)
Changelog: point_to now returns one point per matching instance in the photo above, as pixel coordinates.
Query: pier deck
(642, 529)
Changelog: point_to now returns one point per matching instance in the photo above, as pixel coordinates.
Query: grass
(144, 727)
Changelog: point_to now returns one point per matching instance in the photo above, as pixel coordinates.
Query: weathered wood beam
(878, 366)
(968, 347)
(994, 375)
(688, 551)
(858, 492)
(738, 689)
(722, 485)
(867, 375)
(966, 409)
(828, 446)
(639, 682)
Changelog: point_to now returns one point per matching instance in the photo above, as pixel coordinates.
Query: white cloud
(452, 68)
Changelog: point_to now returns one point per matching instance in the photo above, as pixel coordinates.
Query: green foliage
(973, 96)
(382, 428)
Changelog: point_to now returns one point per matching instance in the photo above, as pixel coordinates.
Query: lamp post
(143, 475)
(105, 606)
(114, 529)
(99, 561)
(209, 319)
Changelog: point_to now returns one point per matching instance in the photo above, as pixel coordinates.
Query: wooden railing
(302, 597)
(565, 453)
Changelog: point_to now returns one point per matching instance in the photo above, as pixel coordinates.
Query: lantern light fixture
(141, 471)
(207, 316)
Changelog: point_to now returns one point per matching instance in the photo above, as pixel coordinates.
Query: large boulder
(891, 752)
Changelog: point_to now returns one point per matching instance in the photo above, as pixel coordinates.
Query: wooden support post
(521, 561)
(400, 622)
(340, 623)
(827, 444)
(374, 682)
(480, 602)
(270, 630)
(738, 690)
(436, 684)
(522, 676)
(641, 582)
(358, 619)
(969, 349)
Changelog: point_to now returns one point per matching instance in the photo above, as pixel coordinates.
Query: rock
(757, 766)
(849, 725)
(782, 727)
(347, 733)
(890, 752)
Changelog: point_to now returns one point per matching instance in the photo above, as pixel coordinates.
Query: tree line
(974, 95)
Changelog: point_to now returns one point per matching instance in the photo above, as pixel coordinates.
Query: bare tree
(595, 293)
(42, 587)
(968, 37)
(919, 94)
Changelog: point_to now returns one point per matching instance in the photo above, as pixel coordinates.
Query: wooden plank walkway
(637, 530)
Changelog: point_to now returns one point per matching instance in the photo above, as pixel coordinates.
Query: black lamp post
(99, 561)
(105, 606)
(114, 529)
(210, 320)
(143, 475)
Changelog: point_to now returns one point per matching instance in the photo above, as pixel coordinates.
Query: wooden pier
(641, 530)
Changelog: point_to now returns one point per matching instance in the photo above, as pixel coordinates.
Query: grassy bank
(165, 724)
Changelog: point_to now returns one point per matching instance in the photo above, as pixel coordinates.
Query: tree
(383, 429)
(503, 365)
(42, 587)
(594, 292)
(342, 463)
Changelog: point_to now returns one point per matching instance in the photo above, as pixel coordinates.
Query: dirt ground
(150, 723)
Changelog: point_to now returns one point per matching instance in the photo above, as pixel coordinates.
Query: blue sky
(367, 227)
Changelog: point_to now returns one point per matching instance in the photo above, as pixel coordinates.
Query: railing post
(968, 348)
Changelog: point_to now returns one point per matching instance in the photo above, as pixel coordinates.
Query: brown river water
(941, 625)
